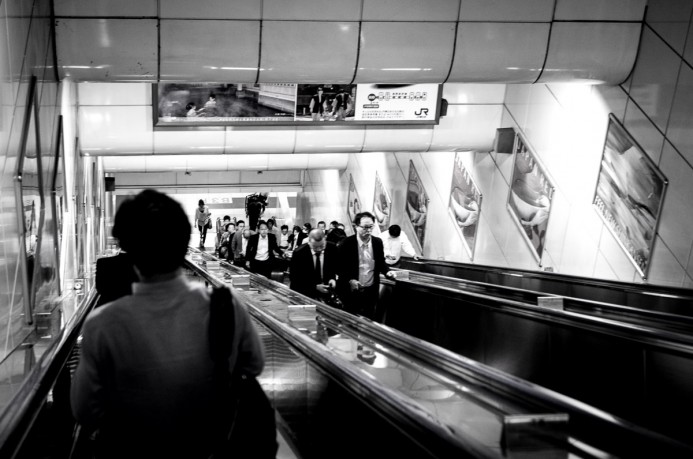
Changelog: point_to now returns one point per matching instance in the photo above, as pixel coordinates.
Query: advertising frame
(530, 196)
(382, 204)
(416, 205)
(464, 206)
(629, 195)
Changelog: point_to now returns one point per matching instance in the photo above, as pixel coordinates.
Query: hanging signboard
(178, 105)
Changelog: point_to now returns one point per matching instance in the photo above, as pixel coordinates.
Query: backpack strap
(221, 327)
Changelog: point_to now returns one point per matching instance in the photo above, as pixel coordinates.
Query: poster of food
(417, 205)
(629, 194)
(353, 201)
(529, 199)
(464, 205)
(381, 205)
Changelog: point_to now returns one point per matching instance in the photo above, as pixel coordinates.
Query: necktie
(318, 269)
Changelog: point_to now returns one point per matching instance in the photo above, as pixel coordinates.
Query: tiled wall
(26, 50)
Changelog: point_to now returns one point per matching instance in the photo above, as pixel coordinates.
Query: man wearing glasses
(361, 261)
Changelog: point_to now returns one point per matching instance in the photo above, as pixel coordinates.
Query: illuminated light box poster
(529, 199)
(382, 204)
(353, 201)
(206, 104)
(629, 194)
(465, 205)
(326, 102)
(397, 102)
(289, 104)
(417, 205)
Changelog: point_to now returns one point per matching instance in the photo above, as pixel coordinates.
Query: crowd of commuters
(153, 322)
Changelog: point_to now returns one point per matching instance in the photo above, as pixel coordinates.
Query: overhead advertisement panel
(290, 104)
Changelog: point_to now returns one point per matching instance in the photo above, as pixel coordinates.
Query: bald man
(313, 267)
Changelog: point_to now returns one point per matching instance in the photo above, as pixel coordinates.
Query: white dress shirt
(262, 248)
(394, 246)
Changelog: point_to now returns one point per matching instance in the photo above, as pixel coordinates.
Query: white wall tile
(670, 19)
(467, 127)
(474, 93)
(676, 216)
(664, 268)
(114, 93)
(654, 78)
(602, 269)
(266, 140)
(616, 257)
(116, 130)
(643, 131)
(680, 128)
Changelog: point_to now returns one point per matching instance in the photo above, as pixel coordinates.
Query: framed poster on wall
(629, 195)
(381, 205)
(465, 205)
(353, 201)
(417, 205)
(529, 199)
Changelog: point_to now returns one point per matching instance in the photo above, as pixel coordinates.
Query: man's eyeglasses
(367, 228)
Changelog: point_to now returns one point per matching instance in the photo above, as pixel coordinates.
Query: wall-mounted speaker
(110, 183)
(505, 139)
(443, 107)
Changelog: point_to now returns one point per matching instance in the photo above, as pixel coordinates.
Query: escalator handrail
(578, 303)
(24, 407)
(641, 289)
(680, 342)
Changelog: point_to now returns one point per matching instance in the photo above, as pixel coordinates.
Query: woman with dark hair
(203, 220)
(145, 379)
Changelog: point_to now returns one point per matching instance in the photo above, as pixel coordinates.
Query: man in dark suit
(114, 277)
(313, 269)
(361, 261)
(236, 242)
(261, 249)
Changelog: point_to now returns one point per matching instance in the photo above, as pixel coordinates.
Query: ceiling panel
(190, 50)
(591, 52)
(308, 52)
(405, 52)
(410, 10)
(311, 10)
(499, 52)
(599, 10)
(507, 10)
(210, 9)
(106, 8)
(107, 49)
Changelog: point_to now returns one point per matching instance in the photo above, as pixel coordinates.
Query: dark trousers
(362, 302)
(263, 268)
(203, 233)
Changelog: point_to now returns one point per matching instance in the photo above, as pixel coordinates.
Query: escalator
(672, 300)
(345, 387)
(636, 370)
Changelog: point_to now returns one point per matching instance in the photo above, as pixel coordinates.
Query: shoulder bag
(246, 422)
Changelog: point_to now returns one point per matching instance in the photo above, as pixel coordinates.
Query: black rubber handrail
(20, 413)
